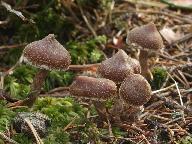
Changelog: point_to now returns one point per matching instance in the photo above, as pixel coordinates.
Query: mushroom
(118, 67)
(93, 88)
(135, 90)
(148, 37)
(46, 54)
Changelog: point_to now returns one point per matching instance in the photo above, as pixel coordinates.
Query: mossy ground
(51, 16)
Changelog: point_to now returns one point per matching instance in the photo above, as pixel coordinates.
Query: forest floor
(93, 31)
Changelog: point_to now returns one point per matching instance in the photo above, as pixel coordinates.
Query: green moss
(48, 19)
(6, 115)
(10, 58)
(18, 84)
(159, 76)
(90, 133)
(57, 136)
(22, 138)
(85, 52)
(57, 79)
(61, 112)
(185, 140)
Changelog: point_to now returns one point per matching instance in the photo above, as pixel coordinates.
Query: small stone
(39, 121)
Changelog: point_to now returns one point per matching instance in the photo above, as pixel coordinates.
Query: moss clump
(48, 18)
(22, 139)
(159, 76)
(61, 111)
(185, 140)
(6, 115)
(18, 84)
(86, 52)
(57, 79)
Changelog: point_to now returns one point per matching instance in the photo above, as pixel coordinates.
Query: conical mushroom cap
(135, 90)
(118, 67)
(93, 88)
(147, 36)
(135, 65)
(47, 53)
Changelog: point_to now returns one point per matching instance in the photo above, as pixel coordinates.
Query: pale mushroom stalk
(143, 59)
(130, 113)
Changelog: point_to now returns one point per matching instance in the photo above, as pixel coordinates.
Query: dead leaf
(182, 2)
(169, 35)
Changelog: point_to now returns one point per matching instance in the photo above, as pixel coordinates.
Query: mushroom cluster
(133, 89)
(118, 77)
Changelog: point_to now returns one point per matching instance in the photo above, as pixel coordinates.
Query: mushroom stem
(130, 113)
(117, 110)
(38, 80)
(143, 59)
(83, 67)
(36, 86)
(101, 109)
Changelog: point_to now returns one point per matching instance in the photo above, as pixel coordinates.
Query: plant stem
(83, 67)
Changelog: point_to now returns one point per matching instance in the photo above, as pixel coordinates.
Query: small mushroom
(135, 90)
(46, 54)
(148, 37)
(93, 88)
(118, 67)
(96, 89)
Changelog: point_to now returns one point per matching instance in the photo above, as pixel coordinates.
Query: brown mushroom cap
(47, 53)
(99, 88)
(135, 90)
(147, 36)
(135, 65)
(118, 67)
